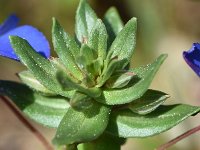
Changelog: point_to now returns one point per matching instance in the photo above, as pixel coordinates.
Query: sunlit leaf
(125, 123)
(138, 86)
(85, 20)
(98, 39)
(148, 102)
(40, 67)
(125, 42)
(82, 126)
(66, 48)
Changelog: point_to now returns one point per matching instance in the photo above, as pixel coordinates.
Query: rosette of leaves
(89, 93)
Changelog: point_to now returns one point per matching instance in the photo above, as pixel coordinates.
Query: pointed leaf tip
(40, 67)
(66, 48)
(85, 20)
(124, 44)
(139, 85)
(127, 124)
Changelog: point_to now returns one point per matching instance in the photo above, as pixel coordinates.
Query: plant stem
(40, 137)
(179, 138)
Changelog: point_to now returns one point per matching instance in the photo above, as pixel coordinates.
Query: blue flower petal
(192, 57)
(10, 23)
(35, 38)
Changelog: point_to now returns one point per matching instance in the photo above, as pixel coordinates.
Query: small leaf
(119, 80)
(66, 48)
(95, 68)
(77, 127)
(124, 123)
(148, 102)
(80, 101)
(125, 42)
(40, 67)
(85, 20)
(104, 142)
(113, 24)
(138, 86)
(47, 111)
(66, 81)
(88, 53)
(114, 63)
(28, 78)
(98, 39)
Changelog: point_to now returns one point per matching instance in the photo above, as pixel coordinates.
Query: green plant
(89, 93)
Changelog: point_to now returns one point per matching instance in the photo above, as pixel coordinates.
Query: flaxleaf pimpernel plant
(89, 94)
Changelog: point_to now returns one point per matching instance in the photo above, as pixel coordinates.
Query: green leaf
(95, 68)
(125, 42)
(113, 24)
(85, 20)
(47, 111)
(66, 48)
(104, 142)
(98, 39)
(84, 126)
(148, 102)
(112, 66)
(138, 86)
(40, 67)
(124, 123)
(28, 78)
(65, 81)
(88, 54)
(80, 101)
(119, 80)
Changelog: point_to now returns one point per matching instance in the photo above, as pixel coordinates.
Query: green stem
(37, 133)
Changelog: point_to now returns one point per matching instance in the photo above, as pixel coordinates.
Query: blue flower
(35, 38)
(192, 57)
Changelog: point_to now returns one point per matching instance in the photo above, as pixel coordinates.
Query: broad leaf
(104, 142)
(40, 67)
(28, 78)
(125, 42)
(98, 39)
(66, 48)
(82, 126)
(85, 20)
(138, 86)
(124, 123)
(113, 24)
(47, 111)
(148, 102)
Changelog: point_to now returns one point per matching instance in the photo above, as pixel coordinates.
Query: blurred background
(163, 27)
